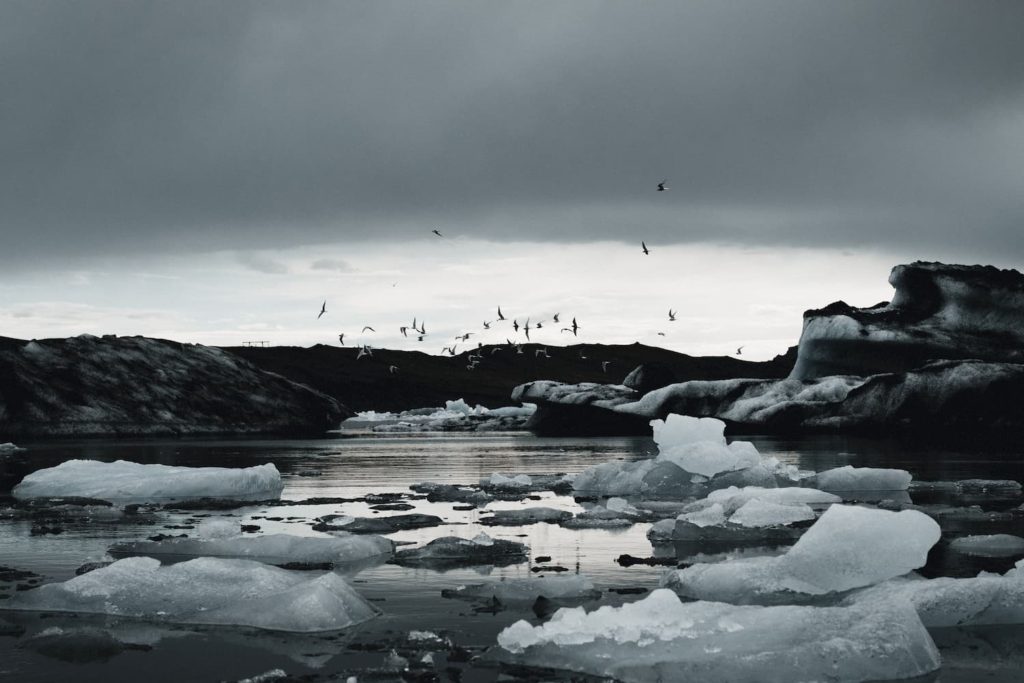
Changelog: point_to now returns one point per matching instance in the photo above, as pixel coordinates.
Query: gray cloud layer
(129, 126)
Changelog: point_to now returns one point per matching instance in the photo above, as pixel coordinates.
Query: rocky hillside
(133, 385)
(422, 380)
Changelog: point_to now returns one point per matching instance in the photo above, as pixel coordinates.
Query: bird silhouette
(364, 351)
(671, 315)
(323, 309)
(604, 365)
(341, 338)
(541, 352)
(367, 327)
(739, 351)
(500, 316)
(643, 245)
(515, 325)
(437, 233)
(487, 325)
(392, 369)
(555, 317)
(661, 186)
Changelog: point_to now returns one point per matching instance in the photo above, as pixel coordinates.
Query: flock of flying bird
(475, 357)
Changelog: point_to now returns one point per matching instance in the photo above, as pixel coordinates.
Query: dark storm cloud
(132, 126)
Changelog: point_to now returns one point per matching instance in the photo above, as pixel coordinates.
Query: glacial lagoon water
(353, 465)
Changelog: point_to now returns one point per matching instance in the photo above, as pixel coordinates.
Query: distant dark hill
(424, 380)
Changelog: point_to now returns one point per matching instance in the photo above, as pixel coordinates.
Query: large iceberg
(206, 591)
(122, 480)
(848, 547)
(270, 548)
(661, 639)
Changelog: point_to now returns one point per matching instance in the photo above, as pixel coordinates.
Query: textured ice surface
(452, 551)
(613, 478)
(123, 480)
(985, 599)
(994, 545)
(206, 591)
(271, 548)
(762, 513)
(861, 479)
(968, 486)
(661, 639)
(527, 590)
(525, 516)
(697, 445)
(501, 481)
(848, 547)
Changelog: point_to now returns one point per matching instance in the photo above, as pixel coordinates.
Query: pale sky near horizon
(211, 172)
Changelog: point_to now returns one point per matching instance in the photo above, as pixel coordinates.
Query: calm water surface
(354, 465)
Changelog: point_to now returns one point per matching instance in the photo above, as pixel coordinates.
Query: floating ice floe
(524, 516)
(500, 481)
(993, 545)
(693, 459)
(450, 493)
(661, 639)
(123, 480)
(860, 479)
(985, 599)
(751, 513)
(205, 591)
(377, 525)
(8, 447)
(451, 551)
(848, 547)
(455, 415)
(270, 548)
(968, 486)
(576, 587)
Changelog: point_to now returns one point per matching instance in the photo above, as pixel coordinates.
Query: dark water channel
(352, 466)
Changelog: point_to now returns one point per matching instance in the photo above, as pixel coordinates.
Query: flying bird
(574, 326)
(404, 331)
(604, 365)
(487, 325)
(367, 327)
(643, 245)
(541, 352)
(661, 186)
(515, 325)
(671, 315)
(739, 351)
(500, 316)
(661, 334)
(323, 309)
(555, 317)
(341, 338)
(437, 233)
(392, 369)
(364, 351)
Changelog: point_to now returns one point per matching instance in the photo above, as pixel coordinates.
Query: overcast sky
(150, 147)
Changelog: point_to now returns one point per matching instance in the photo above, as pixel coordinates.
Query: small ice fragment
(861, 479)
(994, 545)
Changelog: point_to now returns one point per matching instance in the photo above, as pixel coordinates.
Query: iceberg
(993, 545)
(848, 547)
(205, 591)
(661, 639)
(861, 479)
(524, 516)
(123, 481)
(449, 552)
(576, 587)
(941, 602)
(8, 447)
(270, 548)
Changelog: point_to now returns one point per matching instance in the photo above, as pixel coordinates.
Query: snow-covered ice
(575, 587)
(663, 639)
(123, 480)
(206, 591)
(848, 547)
(270, 548)
(992, 545)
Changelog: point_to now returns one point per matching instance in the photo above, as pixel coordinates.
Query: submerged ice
(122, 480)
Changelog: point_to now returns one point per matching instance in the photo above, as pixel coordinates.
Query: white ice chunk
(206, 591)
(994, 545)
(218, 528)
(501, 481)
(986, 599)
(848, 547)
(734, 497)
(660, 639)
(9, 447)
(683, 430)
(123, 480)
(762, 513)
(713, 515)
(613, 478)
(270, 548)
(528, 590)
(861, 479)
